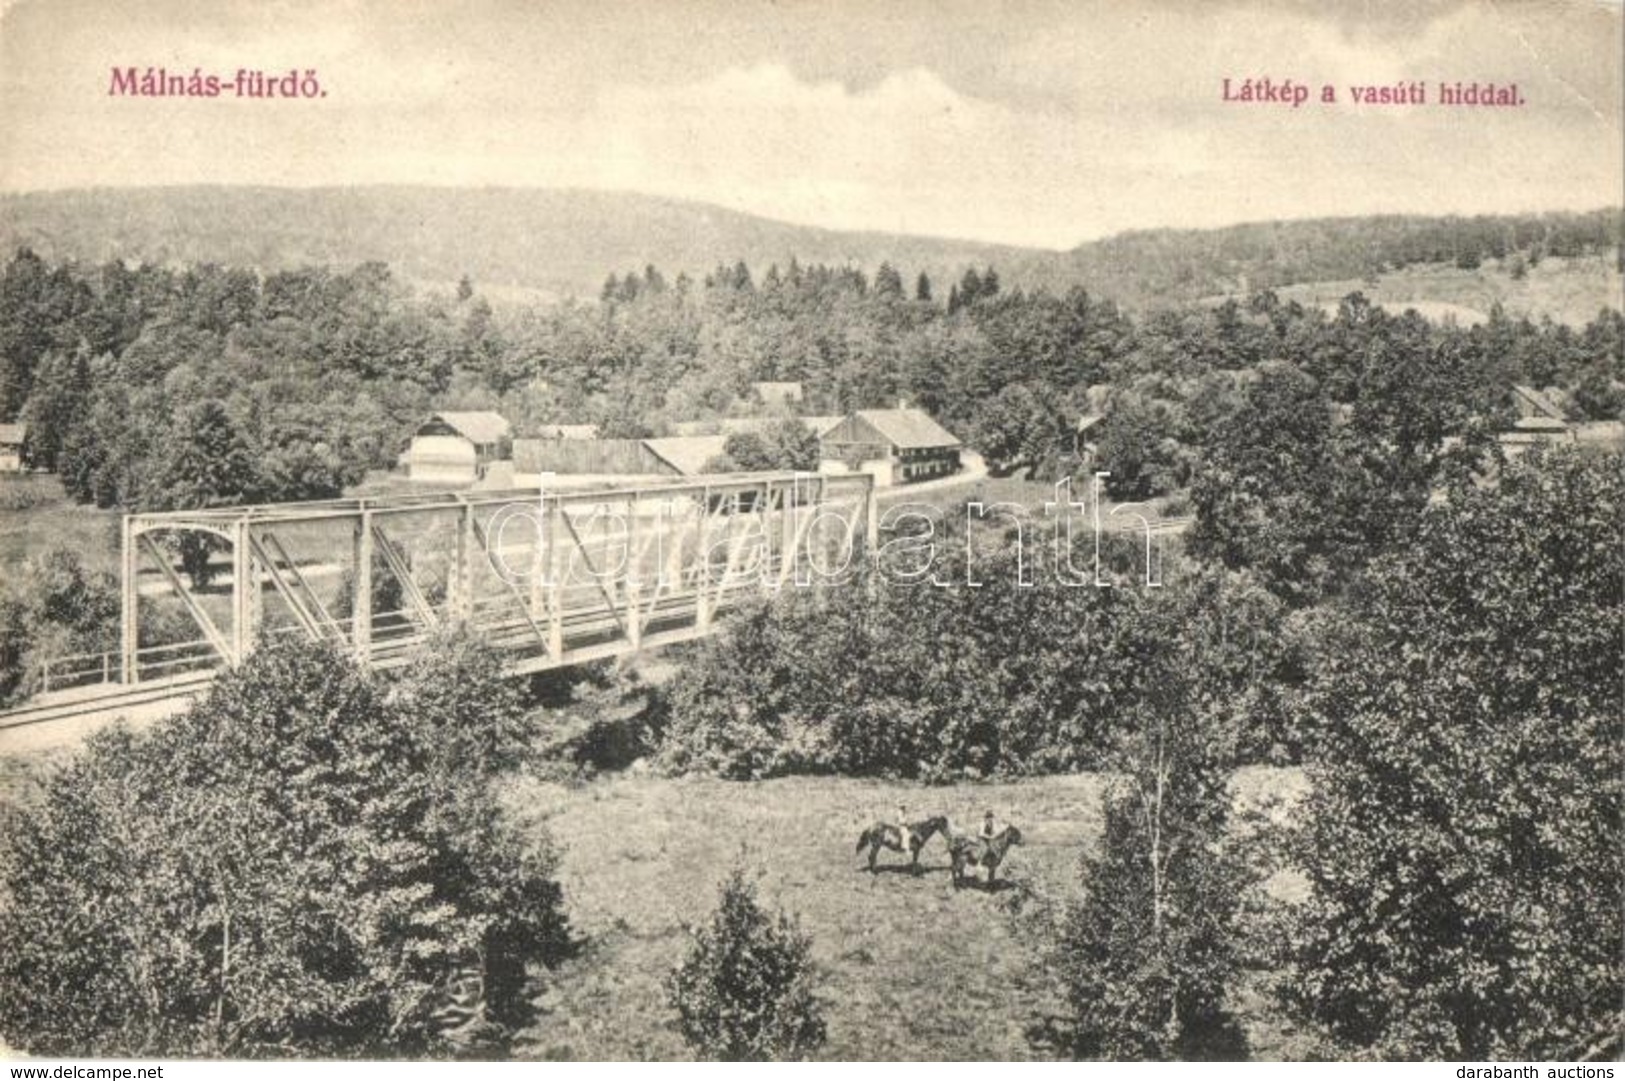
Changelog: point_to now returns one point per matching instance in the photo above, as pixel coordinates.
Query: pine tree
(888, 283)
(970, 287)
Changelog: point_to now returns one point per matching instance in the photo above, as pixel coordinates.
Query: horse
(972, 852)
(887, 835)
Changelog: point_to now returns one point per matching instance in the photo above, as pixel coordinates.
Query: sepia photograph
(910, 531)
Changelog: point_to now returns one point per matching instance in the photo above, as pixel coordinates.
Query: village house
(897, 446)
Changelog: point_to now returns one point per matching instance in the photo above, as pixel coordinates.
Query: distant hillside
(1142, 268)
(1569, 290)
(557, 242)
(521, 243)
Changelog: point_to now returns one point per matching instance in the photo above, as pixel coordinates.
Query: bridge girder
(554, 576)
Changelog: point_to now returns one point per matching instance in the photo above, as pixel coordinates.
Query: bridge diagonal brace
(321, 612)
(520, 599)
(295, 604)
(199, 616)
(736, 546)
(403, 574)
(597, 578)
(805, 517)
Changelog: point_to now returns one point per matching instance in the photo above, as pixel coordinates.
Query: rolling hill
(549, 243)
(553, 242)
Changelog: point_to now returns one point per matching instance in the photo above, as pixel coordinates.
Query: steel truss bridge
(554, 578)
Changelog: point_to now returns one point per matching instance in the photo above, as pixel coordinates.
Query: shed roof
(478, 426)
(13, 434)
(911, 428)
(1539, 401)
(687, 454)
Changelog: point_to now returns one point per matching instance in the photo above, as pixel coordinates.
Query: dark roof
(911, 428)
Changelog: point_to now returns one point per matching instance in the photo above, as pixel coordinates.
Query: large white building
(456, 448)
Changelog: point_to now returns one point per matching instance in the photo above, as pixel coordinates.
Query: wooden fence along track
(554, 578)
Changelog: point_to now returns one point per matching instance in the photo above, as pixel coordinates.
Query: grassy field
(35, 515)
(909, 968)
(1571, 291)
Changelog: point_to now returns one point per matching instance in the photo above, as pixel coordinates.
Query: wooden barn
(456, 448)
(898, 446)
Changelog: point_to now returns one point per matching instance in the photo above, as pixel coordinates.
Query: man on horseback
(988, 832)
(905, 836)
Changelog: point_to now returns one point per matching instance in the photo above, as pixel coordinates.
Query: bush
(55, 607)
(611, 720)
(892, 678)
(300, 864)
(745, 991)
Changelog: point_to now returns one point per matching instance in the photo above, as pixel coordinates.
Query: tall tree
(206, 463)
(1149, 952)
(1466, 789)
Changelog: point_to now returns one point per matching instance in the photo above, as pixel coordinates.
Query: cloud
(1040, 122)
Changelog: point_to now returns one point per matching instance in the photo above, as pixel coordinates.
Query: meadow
(908, 967)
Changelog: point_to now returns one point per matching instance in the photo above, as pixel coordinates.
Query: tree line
(294, 384)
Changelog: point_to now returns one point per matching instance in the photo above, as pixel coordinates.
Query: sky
(1034, 122)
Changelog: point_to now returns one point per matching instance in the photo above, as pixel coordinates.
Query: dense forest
(161, 388)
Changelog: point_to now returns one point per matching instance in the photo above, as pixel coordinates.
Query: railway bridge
(553, 577)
